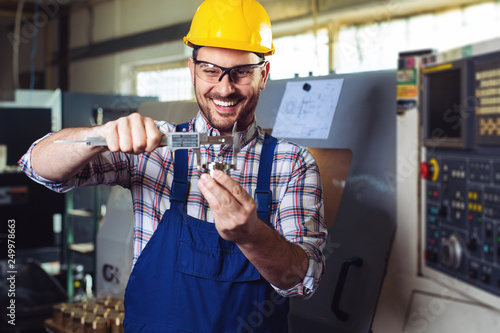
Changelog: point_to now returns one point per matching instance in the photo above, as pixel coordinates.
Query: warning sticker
(406, 91)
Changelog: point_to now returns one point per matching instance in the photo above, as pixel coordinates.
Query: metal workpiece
(217, 165)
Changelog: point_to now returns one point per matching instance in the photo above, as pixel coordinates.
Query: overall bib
(189, 279)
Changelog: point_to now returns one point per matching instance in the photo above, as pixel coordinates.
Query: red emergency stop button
(430, 170)
(424, 170)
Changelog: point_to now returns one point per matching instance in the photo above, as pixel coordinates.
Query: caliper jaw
(193, 140)
(210, 167)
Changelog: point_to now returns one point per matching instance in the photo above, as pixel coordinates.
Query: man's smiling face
(225, 102)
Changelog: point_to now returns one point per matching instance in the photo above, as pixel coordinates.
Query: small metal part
(216, 165)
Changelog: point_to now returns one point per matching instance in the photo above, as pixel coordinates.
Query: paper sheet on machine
(307, 109)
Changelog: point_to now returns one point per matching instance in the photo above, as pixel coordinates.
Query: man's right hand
(132, 134)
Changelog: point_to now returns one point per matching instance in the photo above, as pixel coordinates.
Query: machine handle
(339, 288)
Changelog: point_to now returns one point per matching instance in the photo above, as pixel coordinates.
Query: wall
(114, 19)
(27, 33)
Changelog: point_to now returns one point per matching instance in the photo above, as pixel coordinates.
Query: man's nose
(225, 86)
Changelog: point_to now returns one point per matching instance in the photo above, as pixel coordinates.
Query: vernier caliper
(186, 140)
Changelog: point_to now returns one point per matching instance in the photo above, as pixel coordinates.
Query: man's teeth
(224, 104)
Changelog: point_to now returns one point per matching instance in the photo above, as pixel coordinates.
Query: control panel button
(443, 211)
(424, 170)
(487, 249)
(472, 245)
(430, 170)
(431, 256)
(485, 278)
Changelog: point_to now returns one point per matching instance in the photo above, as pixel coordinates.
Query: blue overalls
(189, 279)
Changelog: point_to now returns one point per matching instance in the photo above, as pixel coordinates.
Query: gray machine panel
(364, 123)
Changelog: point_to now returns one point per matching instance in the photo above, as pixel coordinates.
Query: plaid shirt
(296, 209)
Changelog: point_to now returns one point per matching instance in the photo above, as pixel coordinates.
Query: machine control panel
(462, 216)
(460, 117)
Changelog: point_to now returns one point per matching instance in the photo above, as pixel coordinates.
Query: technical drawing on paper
(307, 109)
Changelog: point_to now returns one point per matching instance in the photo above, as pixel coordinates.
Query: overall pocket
(216, 287)
(203, 253)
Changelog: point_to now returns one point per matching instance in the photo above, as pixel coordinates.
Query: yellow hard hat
(232, 24)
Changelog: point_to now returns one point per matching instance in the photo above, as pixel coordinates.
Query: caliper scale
(187, 140)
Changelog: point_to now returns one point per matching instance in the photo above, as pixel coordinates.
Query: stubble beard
(223, 122)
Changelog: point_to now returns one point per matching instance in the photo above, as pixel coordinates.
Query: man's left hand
(235, 211)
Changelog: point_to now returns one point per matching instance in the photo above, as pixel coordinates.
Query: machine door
(362, 229)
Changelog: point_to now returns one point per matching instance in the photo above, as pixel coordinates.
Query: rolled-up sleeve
(300, 219)
(108, 168)
(25, 164)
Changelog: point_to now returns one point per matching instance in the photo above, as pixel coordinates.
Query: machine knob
(451, 252)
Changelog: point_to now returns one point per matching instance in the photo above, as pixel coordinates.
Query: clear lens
(208, 71)
(243, 75)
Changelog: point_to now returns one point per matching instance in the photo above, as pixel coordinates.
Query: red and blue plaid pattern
(296, 209)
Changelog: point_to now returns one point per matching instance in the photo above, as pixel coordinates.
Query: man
(207, 256)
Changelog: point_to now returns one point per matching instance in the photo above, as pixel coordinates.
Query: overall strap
(263, 193)
(180, 185)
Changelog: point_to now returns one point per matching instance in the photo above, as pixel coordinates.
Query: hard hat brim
(230, 44)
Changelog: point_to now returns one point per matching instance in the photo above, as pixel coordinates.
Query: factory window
(168, 84)
(300, 55)
(375, 46)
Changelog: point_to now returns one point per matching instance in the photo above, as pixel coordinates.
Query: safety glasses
(241, 74)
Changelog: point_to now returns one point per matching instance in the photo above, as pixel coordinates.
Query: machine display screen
(443, 109)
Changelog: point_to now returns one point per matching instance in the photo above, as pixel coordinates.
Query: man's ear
(191, 68)
(265, 75)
